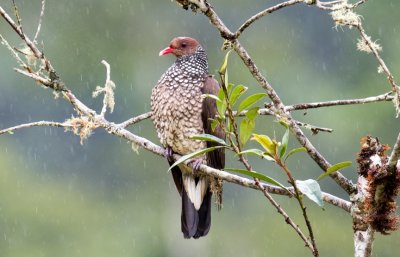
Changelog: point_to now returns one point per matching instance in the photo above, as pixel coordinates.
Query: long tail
(196, 223)
(196, 204)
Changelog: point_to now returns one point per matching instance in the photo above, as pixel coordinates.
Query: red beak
(167, 50)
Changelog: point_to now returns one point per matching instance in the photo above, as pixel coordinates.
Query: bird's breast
(176, 114)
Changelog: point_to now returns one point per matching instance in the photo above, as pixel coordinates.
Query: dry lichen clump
(382, 187)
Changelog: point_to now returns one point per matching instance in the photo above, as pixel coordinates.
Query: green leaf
(249, 101)
(229, 88)
(260, 153)
(224, 65)
(284, 143)
(214, 124)
(193, 155)
(236, 93)
(265, 142)
(253, 151)
(294, 151)
(210, 138)
(211, 96)
(333, 169)
(246, 128)
(252, 113)
(221, 105)
(258, 175)
(311, 189)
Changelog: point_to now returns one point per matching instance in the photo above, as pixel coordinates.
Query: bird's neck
(195, 64)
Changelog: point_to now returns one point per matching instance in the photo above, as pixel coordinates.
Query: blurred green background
(60, 198)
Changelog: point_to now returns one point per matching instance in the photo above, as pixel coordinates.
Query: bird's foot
(196, 163)
(168, 153)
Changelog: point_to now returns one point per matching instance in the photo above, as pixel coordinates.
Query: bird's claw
(196, 163)
(169, 154)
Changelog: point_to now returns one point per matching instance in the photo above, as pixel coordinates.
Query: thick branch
(394, 156)
(119, 131)
(346, 184)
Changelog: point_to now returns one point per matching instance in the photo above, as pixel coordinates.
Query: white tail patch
(195, 192)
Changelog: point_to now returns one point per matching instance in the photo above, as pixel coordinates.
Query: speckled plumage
(176, 103)
(179, 112)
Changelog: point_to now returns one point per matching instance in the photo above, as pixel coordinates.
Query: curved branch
(35, 124)
(263, 13)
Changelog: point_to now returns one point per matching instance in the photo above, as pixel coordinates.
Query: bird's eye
(183, 45)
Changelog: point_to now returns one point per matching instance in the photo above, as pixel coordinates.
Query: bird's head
(181, 46)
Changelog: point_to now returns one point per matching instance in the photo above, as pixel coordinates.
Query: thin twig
(135, 120)
(359, 3)
(372, 99)
(314, 129)
(263, 13)
(288, 220)
(295, 107)
(37, 53)
(35, 124)
(16, 13)
(374, 50)
(298, 196)
(107, 90)
(14, 53)
(40, 21)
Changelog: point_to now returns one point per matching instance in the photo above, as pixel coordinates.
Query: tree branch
(116, 129)
(263, 13)
(203, 5)
(40, 21)
(393, 162)
(35, 124)
(382, 64)
(371, 99)
(37, 53)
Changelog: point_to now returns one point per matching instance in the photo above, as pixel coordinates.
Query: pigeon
(180, 111)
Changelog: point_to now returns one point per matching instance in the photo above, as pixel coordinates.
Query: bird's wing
(215, 159)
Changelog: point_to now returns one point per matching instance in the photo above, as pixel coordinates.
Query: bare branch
(359, 3)
(382, 64)
(35, 124)
(135, 120)
(336, 201)
(40, 21)
(264, 13)
(314, 129)
(14, 53)
(37, 53)
(372, 99)
(394, 156)
(108, 90)
(290, 108)
(117, 130)
(289, 221)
